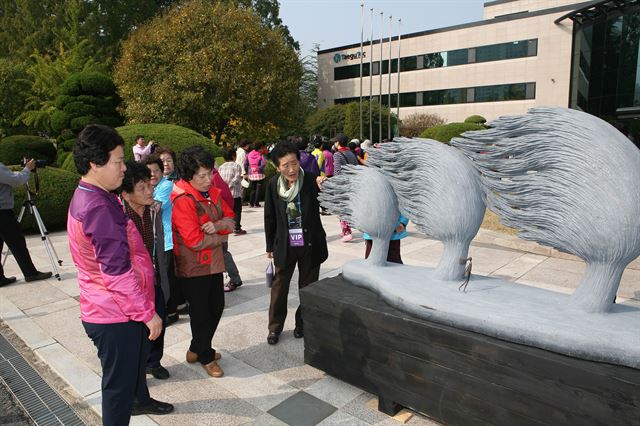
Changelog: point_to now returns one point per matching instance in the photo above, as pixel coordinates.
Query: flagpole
(389, 81)
(371, 80)
(361, 57)
(399, 39)
(380, 78)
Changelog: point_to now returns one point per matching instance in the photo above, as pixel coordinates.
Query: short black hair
(326, 146)
(352, 146)
(243, 143)
(93, 145)
(139, 137)
(229, 154)
(282, 149)
(154, 159)
(192, 159)
(136, 172)
(257, 145)
(317, 141)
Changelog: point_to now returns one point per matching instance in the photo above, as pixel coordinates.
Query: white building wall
(500, 8)
(550, 69)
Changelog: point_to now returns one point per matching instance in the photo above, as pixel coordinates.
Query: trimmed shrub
(69, 165)
(77, 109)
(67, 145)
(14, 148)
(327, 121)
(78, 123)
(477, 119)
(56, 190)
(61, 157)
(60, 121)
(415, 124)
(177, 138)
(88, 83)
(446, 132)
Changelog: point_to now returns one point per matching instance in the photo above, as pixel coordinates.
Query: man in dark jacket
(293, 231)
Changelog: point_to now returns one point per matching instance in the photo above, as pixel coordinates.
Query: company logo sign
(338, 57)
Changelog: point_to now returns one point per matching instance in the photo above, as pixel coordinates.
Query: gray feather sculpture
(362, 197)
(438, 189)
(568, 180)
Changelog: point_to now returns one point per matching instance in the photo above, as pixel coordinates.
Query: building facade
(524, 53)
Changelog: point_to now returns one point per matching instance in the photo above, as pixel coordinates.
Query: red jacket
(198, 254)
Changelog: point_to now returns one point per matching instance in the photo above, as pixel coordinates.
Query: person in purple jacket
(115, 275)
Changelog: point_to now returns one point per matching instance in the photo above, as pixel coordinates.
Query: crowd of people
(150, 240)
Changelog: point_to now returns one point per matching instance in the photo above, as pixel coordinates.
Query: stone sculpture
(568, 180)
(561, 177)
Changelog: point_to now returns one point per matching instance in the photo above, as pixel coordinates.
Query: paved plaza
(263, 385)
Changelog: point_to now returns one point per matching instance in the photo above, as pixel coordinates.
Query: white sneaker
(347, 238)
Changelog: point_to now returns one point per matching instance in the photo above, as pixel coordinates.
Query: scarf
(289, 194)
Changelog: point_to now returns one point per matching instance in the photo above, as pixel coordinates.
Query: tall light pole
(380, 78)
(361, 58)
(371, 79)
(389, 81)
(399, 39)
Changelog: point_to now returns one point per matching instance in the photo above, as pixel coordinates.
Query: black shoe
(298, 332)
(159, 373)
(152, 407)
(273, 338)
(172, 318)
(183, 309)
(9, 280)
(38, 276)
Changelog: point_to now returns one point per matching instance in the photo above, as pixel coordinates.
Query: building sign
(348, 56)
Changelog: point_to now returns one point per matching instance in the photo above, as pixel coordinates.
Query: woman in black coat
(293, 231)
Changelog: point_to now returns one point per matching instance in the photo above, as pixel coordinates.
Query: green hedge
(177, 138)
(61, 157)
(69, 165)
(446, 132)
(477, 119)
(56, 190)
(14, 148)
(88, 83)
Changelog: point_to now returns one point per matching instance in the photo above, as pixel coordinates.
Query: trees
(13, 92)
(327, 121)
(352, 120)
(205, 66)
(415, 124)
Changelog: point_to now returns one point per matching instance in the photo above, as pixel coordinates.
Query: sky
(335, 23)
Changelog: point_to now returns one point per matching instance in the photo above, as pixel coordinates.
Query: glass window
(409, 63)
(496, 52)
(457, 57)
(501, 92)
(350, 71)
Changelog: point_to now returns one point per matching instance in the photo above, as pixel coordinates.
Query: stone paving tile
(29, 295)
(302, 409)
(334, 391)
(64, 363)
(343, 419)
(50, 308)
(519, 266)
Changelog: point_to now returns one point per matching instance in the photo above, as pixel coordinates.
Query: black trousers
(393, 255)
(308, 272)
(157, 346)
(237, 213)
(254, 192)
(123, 349)
(175, 288)
(206, 302)
(11, 233)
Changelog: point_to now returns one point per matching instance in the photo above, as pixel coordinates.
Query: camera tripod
(29, 205)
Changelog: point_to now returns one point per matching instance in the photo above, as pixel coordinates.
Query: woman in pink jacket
(255, 165)
(115, 275)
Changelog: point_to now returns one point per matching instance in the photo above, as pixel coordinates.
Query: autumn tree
(205, 66)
